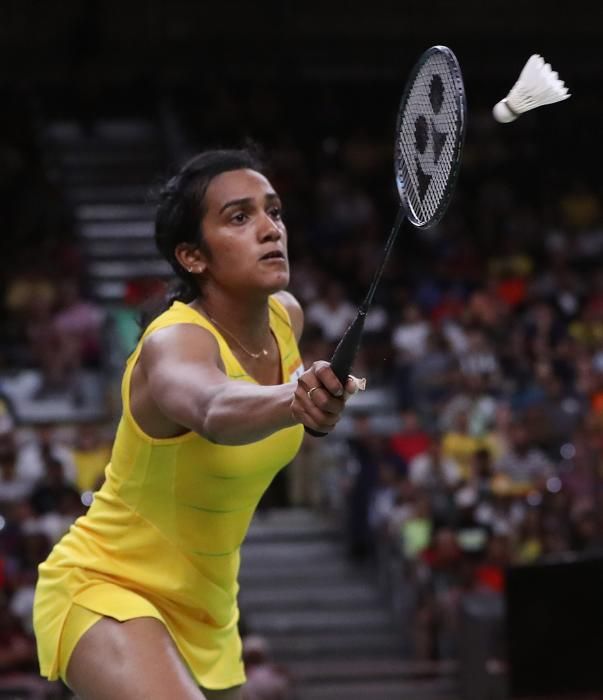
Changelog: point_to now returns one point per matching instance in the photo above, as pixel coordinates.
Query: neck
(247, 320)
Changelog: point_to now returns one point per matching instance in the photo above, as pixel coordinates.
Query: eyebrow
(271, 196)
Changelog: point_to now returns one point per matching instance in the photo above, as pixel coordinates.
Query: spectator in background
(17, 648)
(416, 528)
(331, 312)
(365, 454)
(7, 415)
(440, 572)
(402, 511)
(52, 489)
(479, 359)
(10, 449)
(90, 453)
(37, 445)
(490, 574)
(13, 487)
(432, 469)
(472, 397)
(383, 500)
(265, 679)
(27, 289)
(580, 473)
(409, 340)
(439, 477)
(411, 440)
(79, 322)
(498, 438)
(458, 444)
(525, 465)
(410, 336)
(432, 374)
(54, 355)
(54, 331)
(528, 541)
(307, 471)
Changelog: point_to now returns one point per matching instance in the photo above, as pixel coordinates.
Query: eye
(276, 213)
(239, 217)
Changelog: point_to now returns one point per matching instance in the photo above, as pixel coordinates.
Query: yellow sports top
(162, 536)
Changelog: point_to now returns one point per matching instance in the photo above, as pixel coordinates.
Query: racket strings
(430, 127)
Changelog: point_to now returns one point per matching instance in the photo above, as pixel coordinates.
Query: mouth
(274, 255)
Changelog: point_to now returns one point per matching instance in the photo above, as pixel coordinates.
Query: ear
(191, 258)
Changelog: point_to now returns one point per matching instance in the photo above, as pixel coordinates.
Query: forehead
(237, 184)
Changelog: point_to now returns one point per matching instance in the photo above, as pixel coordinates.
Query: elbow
(209, 420)
(219, 430)
(213, 428)
(208, 428)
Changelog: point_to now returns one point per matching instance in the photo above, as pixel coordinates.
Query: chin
(277, 282)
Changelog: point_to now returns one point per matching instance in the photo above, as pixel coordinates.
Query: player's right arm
(186, 386)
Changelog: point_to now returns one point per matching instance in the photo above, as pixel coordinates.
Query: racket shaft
(345, 352)
(389, 244)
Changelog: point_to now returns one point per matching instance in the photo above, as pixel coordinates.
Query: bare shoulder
(180, 343)
(295, 311)
(174, 380)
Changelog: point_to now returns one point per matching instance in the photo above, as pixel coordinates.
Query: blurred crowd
(486, 336)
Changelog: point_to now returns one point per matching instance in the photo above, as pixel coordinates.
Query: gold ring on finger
(314, 388)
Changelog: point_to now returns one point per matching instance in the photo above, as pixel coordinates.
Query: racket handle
(343, 357)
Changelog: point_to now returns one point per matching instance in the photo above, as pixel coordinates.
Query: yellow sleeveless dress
(162, 536)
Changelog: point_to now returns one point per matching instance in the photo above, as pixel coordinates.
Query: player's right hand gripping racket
(430, 131)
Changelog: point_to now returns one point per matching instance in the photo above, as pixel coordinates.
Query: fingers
(320, 397)
(327, 378)
(324, 400)
(306, 409)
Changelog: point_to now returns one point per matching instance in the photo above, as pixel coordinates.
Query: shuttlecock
(537, 85)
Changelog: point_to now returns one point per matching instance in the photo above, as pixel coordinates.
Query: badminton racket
(430, 131)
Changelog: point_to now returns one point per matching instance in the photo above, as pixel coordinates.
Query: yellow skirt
(69, 600)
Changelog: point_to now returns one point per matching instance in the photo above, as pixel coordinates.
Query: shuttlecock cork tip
(503, 113)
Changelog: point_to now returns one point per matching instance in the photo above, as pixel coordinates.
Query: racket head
(430, 132)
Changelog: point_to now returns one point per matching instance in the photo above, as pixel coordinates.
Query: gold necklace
(256, 355)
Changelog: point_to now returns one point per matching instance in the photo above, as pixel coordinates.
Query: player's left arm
(295, 311)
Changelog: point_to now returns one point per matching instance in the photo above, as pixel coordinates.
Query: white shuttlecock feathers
(537, 85)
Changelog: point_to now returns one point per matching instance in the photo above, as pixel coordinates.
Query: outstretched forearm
(242, 412)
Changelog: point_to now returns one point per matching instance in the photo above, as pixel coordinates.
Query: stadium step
(108, 173)
(334, 646)
(124, 247)
(257, 573)
(381, 690)
(312, 596)
(111, 212)
(325, 618)
(276, 622)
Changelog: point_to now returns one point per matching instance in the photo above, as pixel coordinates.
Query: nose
(269, 229)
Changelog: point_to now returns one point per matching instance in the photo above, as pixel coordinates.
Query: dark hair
(181, 208)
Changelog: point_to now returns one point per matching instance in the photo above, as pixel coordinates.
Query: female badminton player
(139, 599)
